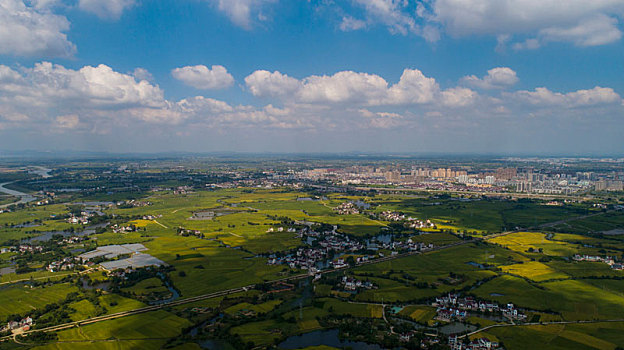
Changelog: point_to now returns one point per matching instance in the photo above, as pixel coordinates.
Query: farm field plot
(110, 344)
(355, 309)
(585, 269)
(523, 241)
(600, 223)
(257, 308)
(263, 332)
(447, 269)
(144, 331)
(605, 336)
(534, 270)
(441, 238)
(147, 286)
(484, 215)
(573, 299)
(20, 299)
(420, 314)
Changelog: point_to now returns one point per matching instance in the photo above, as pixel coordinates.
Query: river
(47, 235)
(41, 171)
(24, 197)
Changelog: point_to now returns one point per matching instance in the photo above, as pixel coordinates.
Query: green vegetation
(230, 248)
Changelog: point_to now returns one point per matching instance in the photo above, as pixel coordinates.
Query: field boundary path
(160, 224)
(555, 223)
(48, 277)
(537, 324)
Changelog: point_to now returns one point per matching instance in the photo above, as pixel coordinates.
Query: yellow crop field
(534, 270)
(141, 223)
(523, 241)
(418, 313)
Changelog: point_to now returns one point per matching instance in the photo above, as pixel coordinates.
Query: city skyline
(440, 76)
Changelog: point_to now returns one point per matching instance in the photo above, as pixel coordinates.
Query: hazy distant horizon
(52, 155)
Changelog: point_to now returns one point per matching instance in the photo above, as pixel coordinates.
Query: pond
(215, 345)
(457, 328)
(472, 263)
(96, 286)
(210, 214)
(47, 235)
(377, 242)
(327, 338)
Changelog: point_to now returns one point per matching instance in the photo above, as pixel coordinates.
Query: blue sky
(452, 76)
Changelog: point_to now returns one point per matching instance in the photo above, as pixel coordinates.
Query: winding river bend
(24, 197)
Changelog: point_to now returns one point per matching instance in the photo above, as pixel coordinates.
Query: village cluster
(411, 222)
(123, 229)
(18, 326)
(133, 203)
(348, 208)
(326, 249)
(82, 219)
(353, 284)
(62, 265)
(595, 258)
(456, 343)
(452, 306)
(280, 229)
(23, 249)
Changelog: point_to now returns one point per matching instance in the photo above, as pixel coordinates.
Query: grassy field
(435, 268)
(574, 299)
(420, 314)
(262, 308)
(147, 286)
(605, 336)
(20, 299)
(355, 309)
(605, 222)
(523, 241)
(440, 238)
(145, 331)
(487, 215)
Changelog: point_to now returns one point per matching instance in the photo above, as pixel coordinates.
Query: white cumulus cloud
(342, 87)
(241, 12)
(584, 23)
(349, 23)
(391, 13)
(33, 31)
(497, 78)
(263, 83)
(50, 86)
(106, 9)
(590, 97)
(348, 87)
(202, 77)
